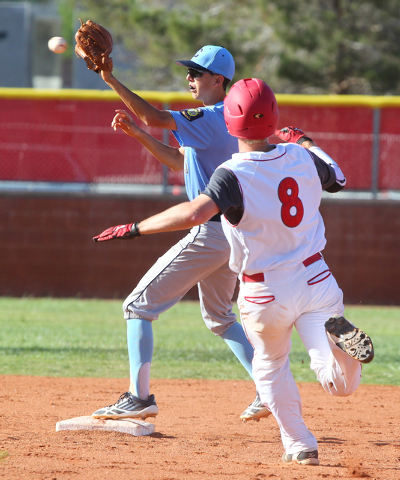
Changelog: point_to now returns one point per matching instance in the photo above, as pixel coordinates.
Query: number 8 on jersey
(292, 210)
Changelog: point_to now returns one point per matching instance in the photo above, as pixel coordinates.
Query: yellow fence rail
(368, 101)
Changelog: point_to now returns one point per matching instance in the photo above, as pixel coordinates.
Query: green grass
(3, 455)
(87, 338)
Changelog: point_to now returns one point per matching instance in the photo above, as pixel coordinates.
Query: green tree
(339, 46)
(297, 46)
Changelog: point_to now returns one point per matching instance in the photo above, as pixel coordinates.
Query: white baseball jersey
(281, 225)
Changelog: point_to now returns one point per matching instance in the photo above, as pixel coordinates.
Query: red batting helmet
(250, 110)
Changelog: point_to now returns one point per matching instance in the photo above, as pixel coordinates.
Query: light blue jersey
(203, 133)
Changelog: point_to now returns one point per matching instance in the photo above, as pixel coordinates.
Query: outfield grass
(87, 338)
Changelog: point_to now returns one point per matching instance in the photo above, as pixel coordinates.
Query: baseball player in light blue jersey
(202, 256)
(196, 132)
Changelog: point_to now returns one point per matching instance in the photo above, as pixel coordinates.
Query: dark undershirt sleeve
(224, 190)
(326, 175)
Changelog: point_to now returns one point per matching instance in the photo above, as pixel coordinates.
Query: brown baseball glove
(94, 44)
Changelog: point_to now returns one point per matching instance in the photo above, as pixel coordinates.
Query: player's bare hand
(119, 232)
(125, 122)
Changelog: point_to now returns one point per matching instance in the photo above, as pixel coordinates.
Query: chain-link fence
(66, 136)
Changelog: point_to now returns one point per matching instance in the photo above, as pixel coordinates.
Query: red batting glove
(292, 135)
(120, 232)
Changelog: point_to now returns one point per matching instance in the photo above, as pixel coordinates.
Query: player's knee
(219, 328)
(127, 309)
(340, 388)
(131, 312)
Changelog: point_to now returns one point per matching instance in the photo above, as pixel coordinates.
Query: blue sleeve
(194, 127)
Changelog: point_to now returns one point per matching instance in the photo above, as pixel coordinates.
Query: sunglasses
(194, 73)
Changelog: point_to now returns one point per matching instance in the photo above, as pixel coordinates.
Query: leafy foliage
(340, 47)
(297, 46)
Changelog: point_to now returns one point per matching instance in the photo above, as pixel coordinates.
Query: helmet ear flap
(251, 110)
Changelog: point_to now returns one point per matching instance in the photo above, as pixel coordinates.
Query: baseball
(58, 44)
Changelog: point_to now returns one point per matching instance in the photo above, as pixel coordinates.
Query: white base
(127, 425)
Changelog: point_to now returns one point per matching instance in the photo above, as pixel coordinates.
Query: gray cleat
(350, 339)
(302, 458)
(255, 411)
(129, 406)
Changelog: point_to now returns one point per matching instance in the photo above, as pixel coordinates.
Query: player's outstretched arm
(180, 217)
(295, 135)
(94, 44)
(172, 157)
(151, 116)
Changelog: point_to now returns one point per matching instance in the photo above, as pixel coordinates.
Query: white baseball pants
(304, 297)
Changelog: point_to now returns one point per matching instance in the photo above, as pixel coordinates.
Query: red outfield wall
(65, 136)
(47, 246)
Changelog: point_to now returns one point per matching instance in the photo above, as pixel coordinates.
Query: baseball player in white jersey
(202, 256)
(269, 196)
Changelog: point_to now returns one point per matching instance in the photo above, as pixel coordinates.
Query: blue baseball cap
(212, 59)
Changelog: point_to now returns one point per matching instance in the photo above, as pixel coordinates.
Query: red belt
(310, 260)
(259, 277)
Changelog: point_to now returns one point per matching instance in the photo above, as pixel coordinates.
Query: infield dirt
(198, 434)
